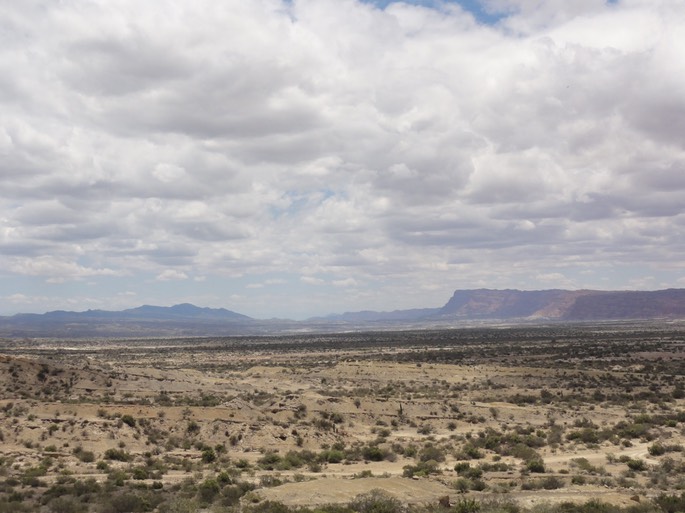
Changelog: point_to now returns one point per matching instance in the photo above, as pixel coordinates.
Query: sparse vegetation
(179, 426)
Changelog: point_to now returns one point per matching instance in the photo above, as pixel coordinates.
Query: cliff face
(569, 305)
(629, 305)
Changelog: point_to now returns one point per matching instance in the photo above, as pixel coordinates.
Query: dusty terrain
(534, 415)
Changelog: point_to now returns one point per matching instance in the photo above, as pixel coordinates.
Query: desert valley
(557, 417)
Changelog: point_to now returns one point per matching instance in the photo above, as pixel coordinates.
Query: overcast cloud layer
(299, 158)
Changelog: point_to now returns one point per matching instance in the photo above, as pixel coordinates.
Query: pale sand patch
(337, 491)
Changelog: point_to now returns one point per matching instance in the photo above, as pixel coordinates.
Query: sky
(294, 158)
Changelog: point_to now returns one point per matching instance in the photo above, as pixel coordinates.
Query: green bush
(637, 465)
(269, 507)
(421, 469)
(128, 420)
(376, 501)
(430, 452)
(465, 505)
(67, 505)
(656, 449)
(536, 466)
(269, 461)
(208, 491)
(373, 453)
(125, 503)
(140, 473)
(671, 503)
(84, 456)
(208, 455)
(117, 455)
(552, 483)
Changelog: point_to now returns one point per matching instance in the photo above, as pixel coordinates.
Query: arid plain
(508, 418)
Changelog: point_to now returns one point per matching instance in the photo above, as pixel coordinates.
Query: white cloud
(400, 151)
(23, 299)
(58, 270)
(171, 274)
(349, 282)
(311, 280)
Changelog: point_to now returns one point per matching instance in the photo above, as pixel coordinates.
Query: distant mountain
(185, 311)
(523, 305)
(481, 305)
(568, 305)
(176, 312)
(179, 320)
(371, 316)
(669, 303)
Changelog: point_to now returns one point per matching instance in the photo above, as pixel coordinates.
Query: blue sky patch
(479, 11)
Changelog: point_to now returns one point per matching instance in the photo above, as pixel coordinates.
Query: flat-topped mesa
(570, 305)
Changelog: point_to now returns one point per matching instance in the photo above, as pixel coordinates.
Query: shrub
(66, 505)
(140, 473)
(465, 505)
(552, 483)
(430, 452)
(461, 467)
(269, 461)
(421, 469)
(89, 486)
(585, 435)
(125, 503)
(524, 452)
(376, 501)
(656, 449)
(637, 465)
(117, 455)
(208, 455)
(536, 466)
(671, 503)
(181, 506)
(425, 429)
(478, 485)
(269, 481)
(128, 420)
(333, 456)
(462, 485)
(269, 507)
(373, 453)
(207, 491)
(84, 456)
(470, 452)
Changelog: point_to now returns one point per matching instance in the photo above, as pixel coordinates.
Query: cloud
(23, 299)
(58, 270)
(171, 274)
(311, 280)
(403, 149)
(349, 282)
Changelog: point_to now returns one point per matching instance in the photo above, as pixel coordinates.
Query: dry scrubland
(561, 418)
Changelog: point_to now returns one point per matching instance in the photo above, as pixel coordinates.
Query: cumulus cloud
(400, 149)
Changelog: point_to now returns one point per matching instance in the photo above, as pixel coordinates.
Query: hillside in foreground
(527, 419)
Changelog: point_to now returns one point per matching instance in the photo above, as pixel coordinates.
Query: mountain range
(464, 305)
